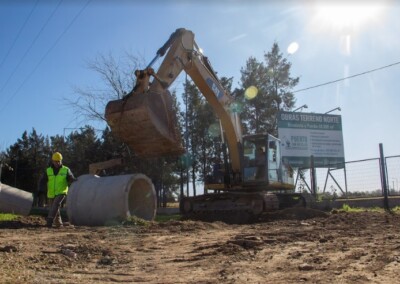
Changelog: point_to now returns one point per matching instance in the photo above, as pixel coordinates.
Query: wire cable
(45, 55)
(19, 33)
(349, 77)
(30, 46)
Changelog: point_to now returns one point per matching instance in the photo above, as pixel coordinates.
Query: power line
(45, 55)
(345, 78)
(19, 33)
(30, 46)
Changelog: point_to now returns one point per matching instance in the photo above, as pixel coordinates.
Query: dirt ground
(291, 246)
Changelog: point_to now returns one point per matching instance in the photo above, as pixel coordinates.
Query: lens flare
(236, 107)
(251, 92)
(346, 15)
(214, 130)
(293, 47)
(185, 160)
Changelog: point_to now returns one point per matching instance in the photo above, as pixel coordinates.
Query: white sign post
(311, 134)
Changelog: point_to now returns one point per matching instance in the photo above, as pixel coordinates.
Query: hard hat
(56, 156)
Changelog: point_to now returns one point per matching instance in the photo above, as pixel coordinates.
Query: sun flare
(346, 16)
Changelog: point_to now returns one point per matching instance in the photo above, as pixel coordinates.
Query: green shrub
(135, 221)
(166, 218)
(7, 217)
(348, 208)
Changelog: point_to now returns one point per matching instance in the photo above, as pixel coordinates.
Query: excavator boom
(146, 121)
(145, 118)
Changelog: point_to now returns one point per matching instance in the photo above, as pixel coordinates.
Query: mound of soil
(290, 246)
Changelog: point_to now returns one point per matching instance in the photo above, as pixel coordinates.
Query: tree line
(23, 163)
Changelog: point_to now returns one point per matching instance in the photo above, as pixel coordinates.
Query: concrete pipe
(98, 201)
(14, 200)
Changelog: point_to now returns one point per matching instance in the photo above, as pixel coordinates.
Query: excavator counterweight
(146, 122)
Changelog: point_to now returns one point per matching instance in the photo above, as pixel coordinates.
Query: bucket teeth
(146, 122)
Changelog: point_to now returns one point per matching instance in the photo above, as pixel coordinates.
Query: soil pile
(290, 246)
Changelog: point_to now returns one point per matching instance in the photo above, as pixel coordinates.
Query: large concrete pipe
(98, 201)
(14, 200)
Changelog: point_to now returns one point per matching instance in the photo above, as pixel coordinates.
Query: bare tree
(117, 79)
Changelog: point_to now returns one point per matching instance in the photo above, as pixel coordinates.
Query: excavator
(251, 180)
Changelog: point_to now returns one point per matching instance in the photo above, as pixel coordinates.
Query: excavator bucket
(146, 122)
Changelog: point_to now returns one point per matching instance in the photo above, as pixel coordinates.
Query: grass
(166, 218)
(136, 221)
(348, 208)
(396, 209)
(7, 217)
(172, 205)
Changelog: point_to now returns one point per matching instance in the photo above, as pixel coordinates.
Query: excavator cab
(262, 161)
(254, 158)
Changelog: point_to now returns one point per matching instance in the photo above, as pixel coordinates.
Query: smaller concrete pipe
(14, 200)
(98, 201)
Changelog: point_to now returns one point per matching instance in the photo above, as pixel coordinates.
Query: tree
(27, 159)
(202, 131)
(82, 149)
(117, 79)
(192, 100)
(273, 80)
(59, 144)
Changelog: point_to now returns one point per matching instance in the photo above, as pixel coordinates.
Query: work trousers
(54, 210)
(41, 199)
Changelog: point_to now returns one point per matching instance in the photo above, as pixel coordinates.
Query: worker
(58, 177)
(260, 163)
(41, 193)
(218, 171)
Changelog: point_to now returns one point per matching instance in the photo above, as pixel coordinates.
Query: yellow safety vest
(57, 184)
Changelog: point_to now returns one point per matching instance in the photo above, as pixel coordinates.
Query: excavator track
(237, 207)
(146, 122)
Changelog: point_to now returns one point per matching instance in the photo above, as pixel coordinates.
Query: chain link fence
(393, 174)
(361, 178)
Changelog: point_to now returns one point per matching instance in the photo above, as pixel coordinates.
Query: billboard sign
(304, 135)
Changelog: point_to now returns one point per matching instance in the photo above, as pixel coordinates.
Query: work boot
(49, 223)
(68, 224)
(58, 223)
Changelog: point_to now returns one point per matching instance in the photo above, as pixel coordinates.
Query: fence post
(313, 180)
(345, 178)
(383, 178)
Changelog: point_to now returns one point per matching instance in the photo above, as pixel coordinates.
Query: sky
(45, 46)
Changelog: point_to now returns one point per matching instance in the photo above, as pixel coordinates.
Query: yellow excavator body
(146, 121)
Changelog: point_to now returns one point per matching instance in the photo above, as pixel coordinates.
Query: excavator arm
(97, 168)
(145, 118)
